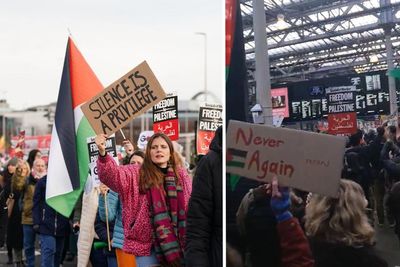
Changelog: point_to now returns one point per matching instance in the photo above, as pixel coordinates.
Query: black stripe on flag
(65, 124)
(236, 152)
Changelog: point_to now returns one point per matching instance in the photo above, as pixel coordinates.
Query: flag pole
(107, 225)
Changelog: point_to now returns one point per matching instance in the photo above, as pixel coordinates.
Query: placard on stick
(128, 97)
(165, 117)
(210, 118)
(304, 160)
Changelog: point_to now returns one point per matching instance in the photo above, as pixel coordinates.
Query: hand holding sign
(100, 141)
(280, 201)
(128, 147)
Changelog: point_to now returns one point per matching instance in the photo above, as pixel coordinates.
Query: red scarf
(168, 218)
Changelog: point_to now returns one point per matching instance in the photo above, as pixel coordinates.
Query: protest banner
(144, 139)
(342, 123)
(341, 99)
(165, 117)
(128, 97)
(210, 118)
(111, 149)
(298, 158)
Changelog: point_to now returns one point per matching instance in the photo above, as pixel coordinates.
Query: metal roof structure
(320, 38)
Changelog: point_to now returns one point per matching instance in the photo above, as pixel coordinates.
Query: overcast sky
(114, 37)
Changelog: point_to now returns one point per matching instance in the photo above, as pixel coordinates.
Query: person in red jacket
(292, 248)
(295, 250)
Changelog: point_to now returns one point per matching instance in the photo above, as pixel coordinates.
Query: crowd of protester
(145, 216)
(324, 231)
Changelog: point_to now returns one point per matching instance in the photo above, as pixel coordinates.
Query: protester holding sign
(158, 181)
(339, 230)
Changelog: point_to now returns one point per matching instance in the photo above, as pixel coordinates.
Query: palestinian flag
(69, 160)
(236, 158)
(235, 70)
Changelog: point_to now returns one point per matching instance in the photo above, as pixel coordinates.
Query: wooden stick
(120, 130)
(108, 226)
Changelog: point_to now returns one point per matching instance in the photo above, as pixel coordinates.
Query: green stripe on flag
(62, 203)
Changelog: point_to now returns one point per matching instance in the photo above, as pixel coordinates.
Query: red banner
(170, 128)
(342, 123)
(204, 139)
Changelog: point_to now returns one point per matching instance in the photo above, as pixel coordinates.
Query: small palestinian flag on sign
(236, 158)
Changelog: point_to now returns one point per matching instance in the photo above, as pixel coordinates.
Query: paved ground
(3, 259)
(388, 246)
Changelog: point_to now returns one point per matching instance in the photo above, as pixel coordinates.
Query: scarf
(168, 218)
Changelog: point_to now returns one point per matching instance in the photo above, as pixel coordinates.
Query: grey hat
(13, 162)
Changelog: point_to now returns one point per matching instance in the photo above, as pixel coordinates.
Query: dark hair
(380, 130)
(31, 157)
(392, 129)
(138, 153)
(355, 138)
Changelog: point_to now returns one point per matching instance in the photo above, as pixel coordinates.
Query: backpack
(352, 168)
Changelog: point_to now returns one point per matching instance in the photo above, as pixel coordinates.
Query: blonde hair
(342, 219)
(18, 179)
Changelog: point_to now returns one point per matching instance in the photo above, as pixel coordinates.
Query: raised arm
(118, 178)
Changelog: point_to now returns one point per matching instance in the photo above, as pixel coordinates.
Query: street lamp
(205, 62)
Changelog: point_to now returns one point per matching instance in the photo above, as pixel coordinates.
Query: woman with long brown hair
(154, 198)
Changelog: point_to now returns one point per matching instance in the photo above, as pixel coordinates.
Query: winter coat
(339, 255)
(14, 227)
(204, 218)
(114, 215)
(50, 222)
(135, 215)
(27, 201)
(294, 247)
(90, 201)
(393, 203)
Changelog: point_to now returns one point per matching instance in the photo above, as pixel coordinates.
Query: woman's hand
(129, 149)
(100, 141)
(103, 189)
(280, 201)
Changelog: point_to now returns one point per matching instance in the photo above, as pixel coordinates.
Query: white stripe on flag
(78, 115)
(60, 182)
(238, 158)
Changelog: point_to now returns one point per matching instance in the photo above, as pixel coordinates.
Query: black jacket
(336, 255)
(50, 222)
(204, 218)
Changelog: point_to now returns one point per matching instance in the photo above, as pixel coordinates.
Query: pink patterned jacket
(135, 208)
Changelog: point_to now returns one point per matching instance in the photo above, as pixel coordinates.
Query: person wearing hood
(5, 179)
(14, 227)
(38, 171)
(204, 220)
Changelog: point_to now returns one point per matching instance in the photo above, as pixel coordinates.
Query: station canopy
(313, 39)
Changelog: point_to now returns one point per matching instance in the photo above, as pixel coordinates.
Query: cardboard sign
(165, 117)
(210, 118)
(304, 160)
(128, 97)
(343, 123)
